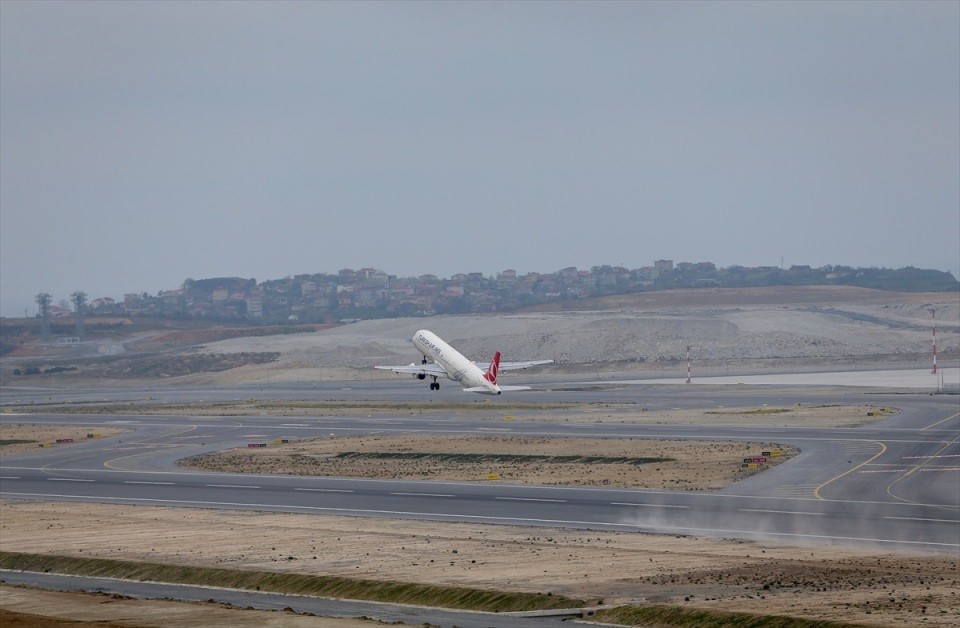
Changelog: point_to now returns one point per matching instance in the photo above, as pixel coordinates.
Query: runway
(892, 484)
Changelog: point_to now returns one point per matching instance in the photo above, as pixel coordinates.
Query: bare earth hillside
(728, 326)
(741, 329)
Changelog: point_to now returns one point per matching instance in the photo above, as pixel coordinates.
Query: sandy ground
(824, 583)
(658, 464)
(789, 414)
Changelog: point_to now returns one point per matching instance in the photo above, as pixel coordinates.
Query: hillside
(741, 297)
(722, 326)
(729, 328)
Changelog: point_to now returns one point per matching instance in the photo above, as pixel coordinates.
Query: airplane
(478, 377)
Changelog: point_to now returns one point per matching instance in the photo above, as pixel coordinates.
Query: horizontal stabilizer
(484, 389)
(513, 366)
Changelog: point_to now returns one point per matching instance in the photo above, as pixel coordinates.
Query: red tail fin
(491, 374)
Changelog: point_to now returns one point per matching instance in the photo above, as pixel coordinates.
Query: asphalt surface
(325, 607)
(893, 484)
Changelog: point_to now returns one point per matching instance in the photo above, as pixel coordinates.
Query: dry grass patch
(384, 590)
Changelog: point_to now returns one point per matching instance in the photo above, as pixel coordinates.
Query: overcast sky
(143, 143)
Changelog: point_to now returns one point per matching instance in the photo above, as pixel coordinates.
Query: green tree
(79, 299)
(43, 302)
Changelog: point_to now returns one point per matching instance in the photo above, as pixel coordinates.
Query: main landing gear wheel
(434, 385)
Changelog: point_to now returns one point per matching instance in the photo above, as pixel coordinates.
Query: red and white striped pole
(688, 364)
(933, 313)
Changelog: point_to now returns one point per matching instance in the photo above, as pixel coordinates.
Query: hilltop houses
(372, 293)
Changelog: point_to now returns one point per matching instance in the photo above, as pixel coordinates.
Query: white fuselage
(458, 367)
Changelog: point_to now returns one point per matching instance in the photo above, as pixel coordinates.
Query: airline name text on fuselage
(429, 345)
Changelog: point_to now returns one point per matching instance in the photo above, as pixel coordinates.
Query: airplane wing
(513, 366)
(433, 369)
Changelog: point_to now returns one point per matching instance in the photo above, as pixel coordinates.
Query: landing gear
(434, 385)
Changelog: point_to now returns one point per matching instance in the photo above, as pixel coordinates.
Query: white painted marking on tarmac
(144, 482)
(904, 470)
(425, 494)
(294, 425)
(782, 512)
(9, 477)
(324, 490)
(923, 519)
(231, 486)
(649, 505)
(68, 480)
(532, 499)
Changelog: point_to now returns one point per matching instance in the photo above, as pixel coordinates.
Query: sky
(144, 143)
